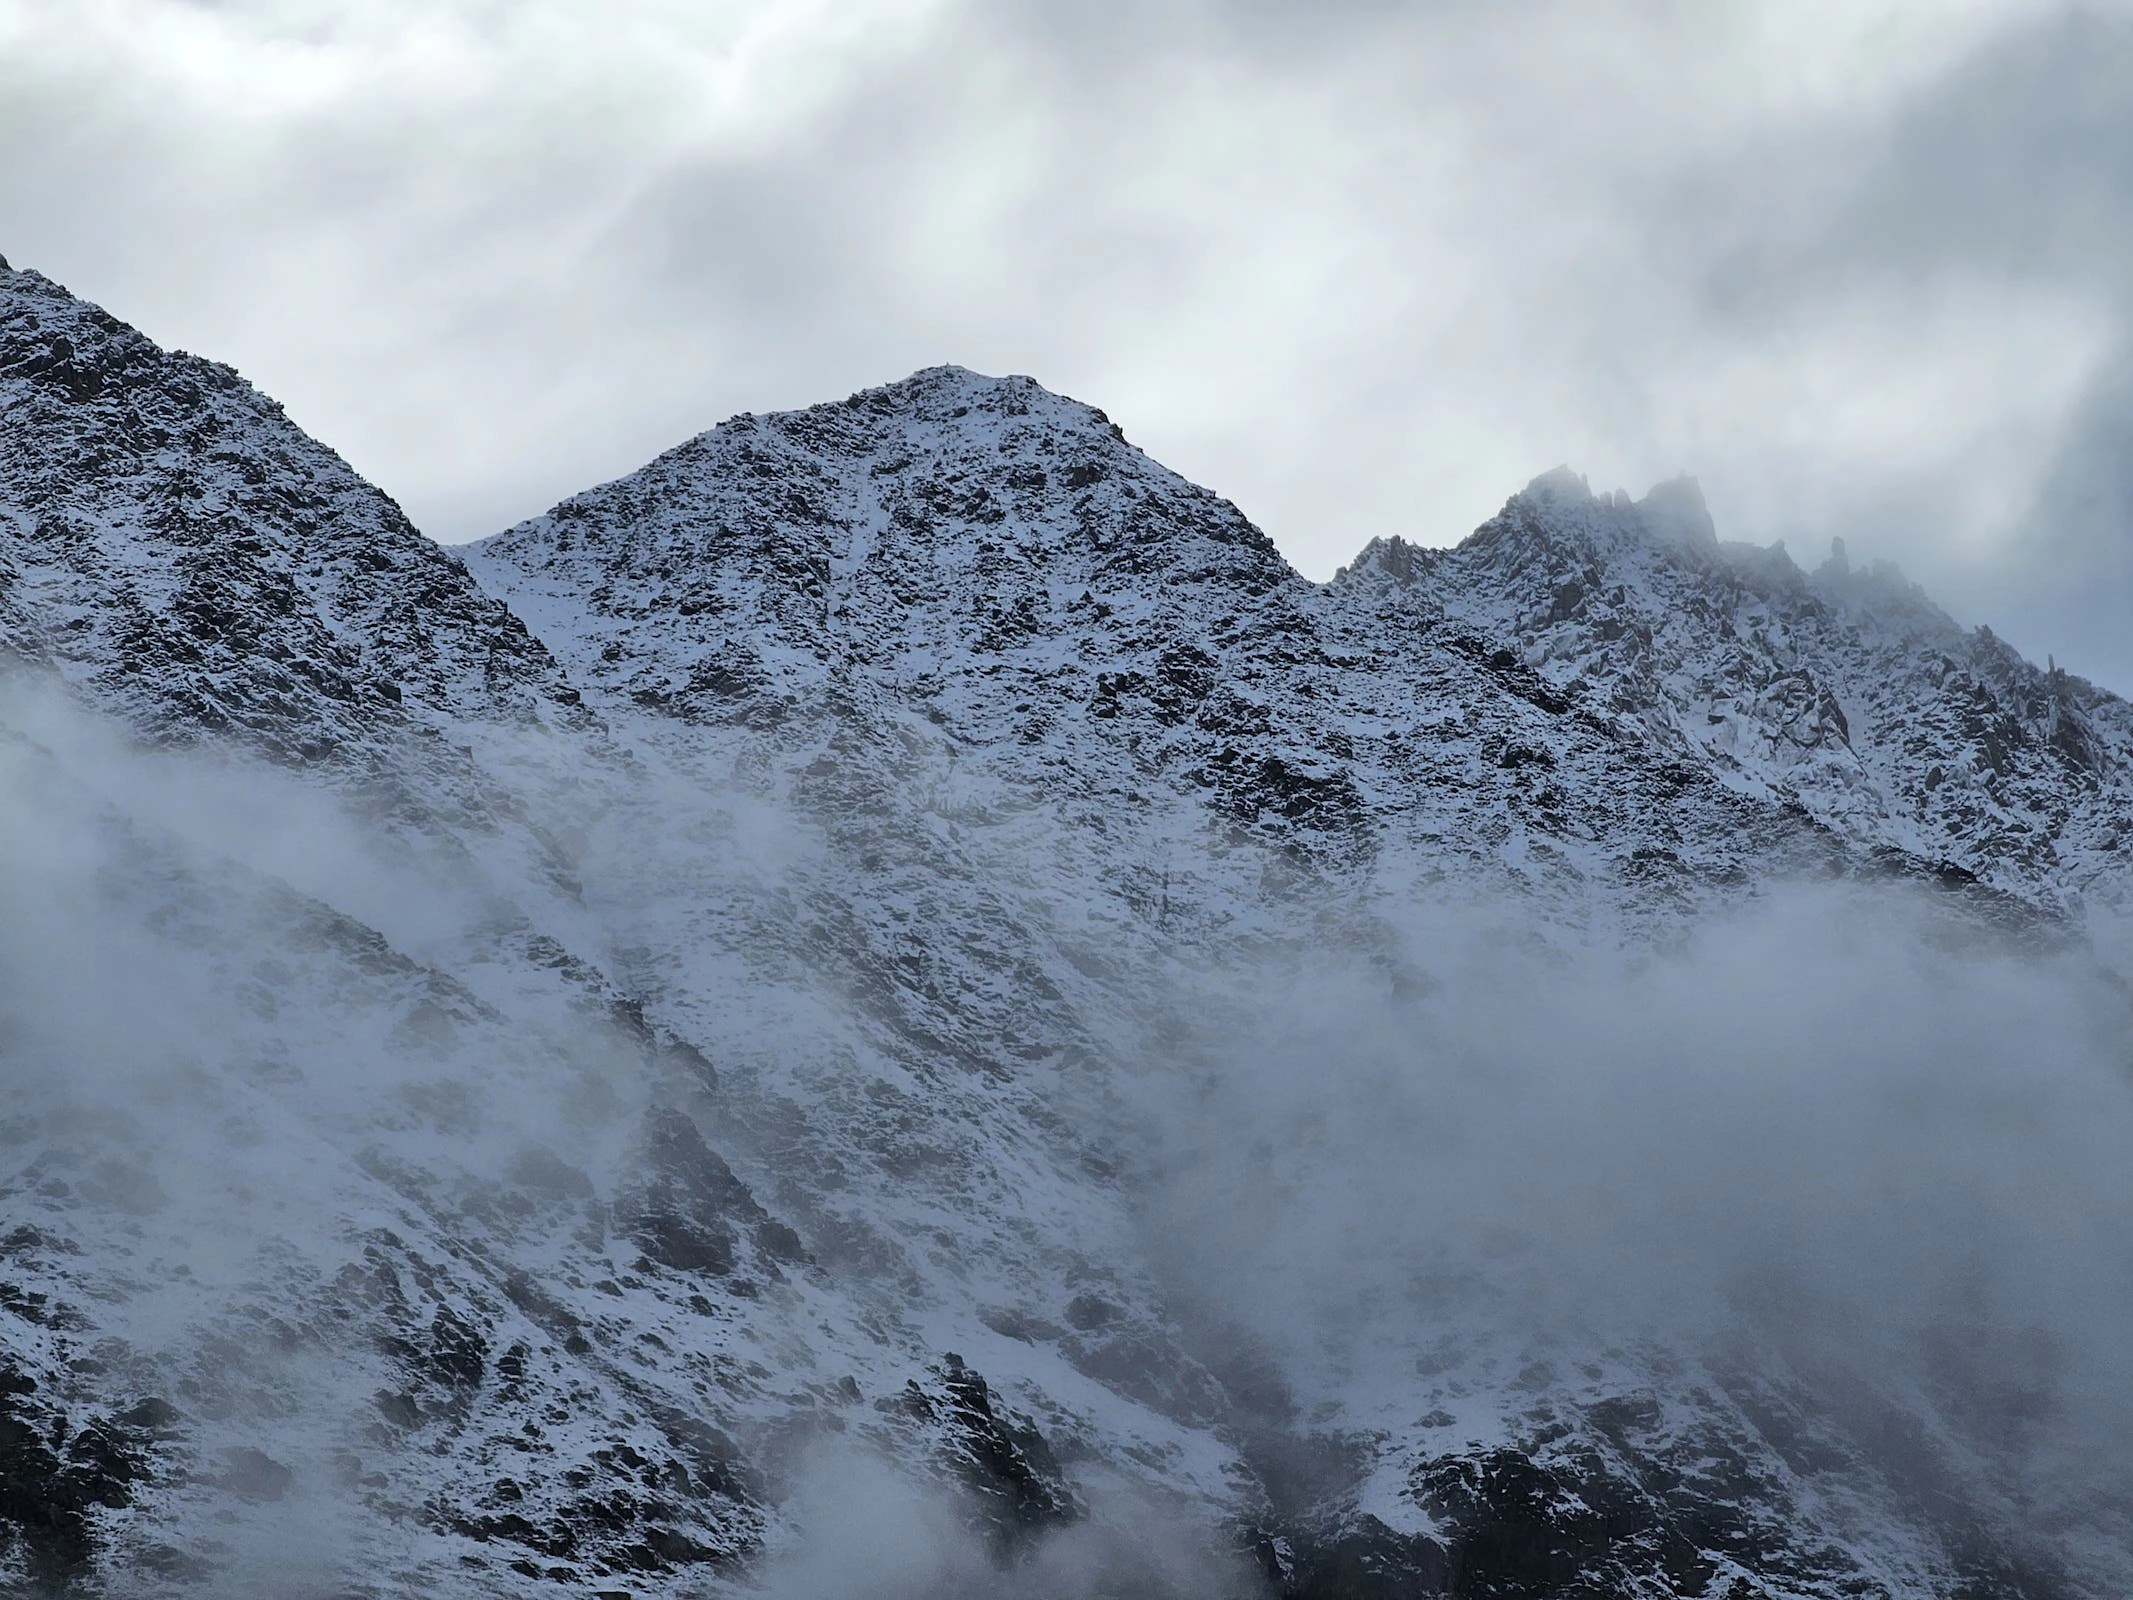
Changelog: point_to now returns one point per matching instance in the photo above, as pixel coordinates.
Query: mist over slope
(893, 1005)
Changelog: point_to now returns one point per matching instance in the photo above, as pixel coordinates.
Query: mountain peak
(1675, 510)
(187, 555)
(944, 455)
(1559, 486)
(25, 287)
(949, 394)
(1392, 557)
(948, 508)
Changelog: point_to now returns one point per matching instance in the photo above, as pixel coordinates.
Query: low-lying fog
(1840, 1127)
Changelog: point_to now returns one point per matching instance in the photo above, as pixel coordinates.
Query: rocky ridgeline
(1845, 691)
(823, 808)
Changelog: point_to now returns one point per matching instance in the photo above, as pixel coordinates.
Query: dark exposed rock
(57, 1471)
(1017, 1491)
(693, 1212)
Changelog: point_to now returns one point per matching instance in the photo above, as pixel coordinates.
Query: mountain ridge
(726, 993)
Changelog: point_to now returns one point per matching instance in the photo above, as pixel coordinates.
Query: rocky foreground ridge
(583, 1063)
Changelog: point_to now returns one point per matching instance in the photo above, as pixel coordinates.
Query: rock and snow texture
(1847, 691)
(558, 1057)
(176, 544)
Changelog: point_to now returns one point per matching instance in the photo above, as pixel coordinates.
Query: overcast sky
(1863, 266)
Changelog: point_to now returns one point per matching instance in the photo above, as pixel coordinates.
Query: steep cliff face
(566, 1056)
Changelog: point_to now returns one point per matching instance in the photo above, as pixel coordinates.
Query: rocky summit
(893, 1004)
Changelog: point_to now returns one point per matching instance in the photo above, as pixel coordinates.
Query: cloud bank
(1362, 267)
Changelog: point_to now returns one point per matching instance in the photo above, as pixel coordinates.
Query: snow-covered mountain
(893, 1004)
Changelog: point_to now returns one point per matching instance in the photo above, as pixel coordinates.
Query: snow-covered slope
(176, 543)
(568, 1055)
(1845, 689)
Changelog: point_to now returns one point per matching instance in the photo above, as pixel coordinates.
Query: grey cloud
(2006, 180)
(1362, 267)
(1829, 1123)
(2020, 160)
